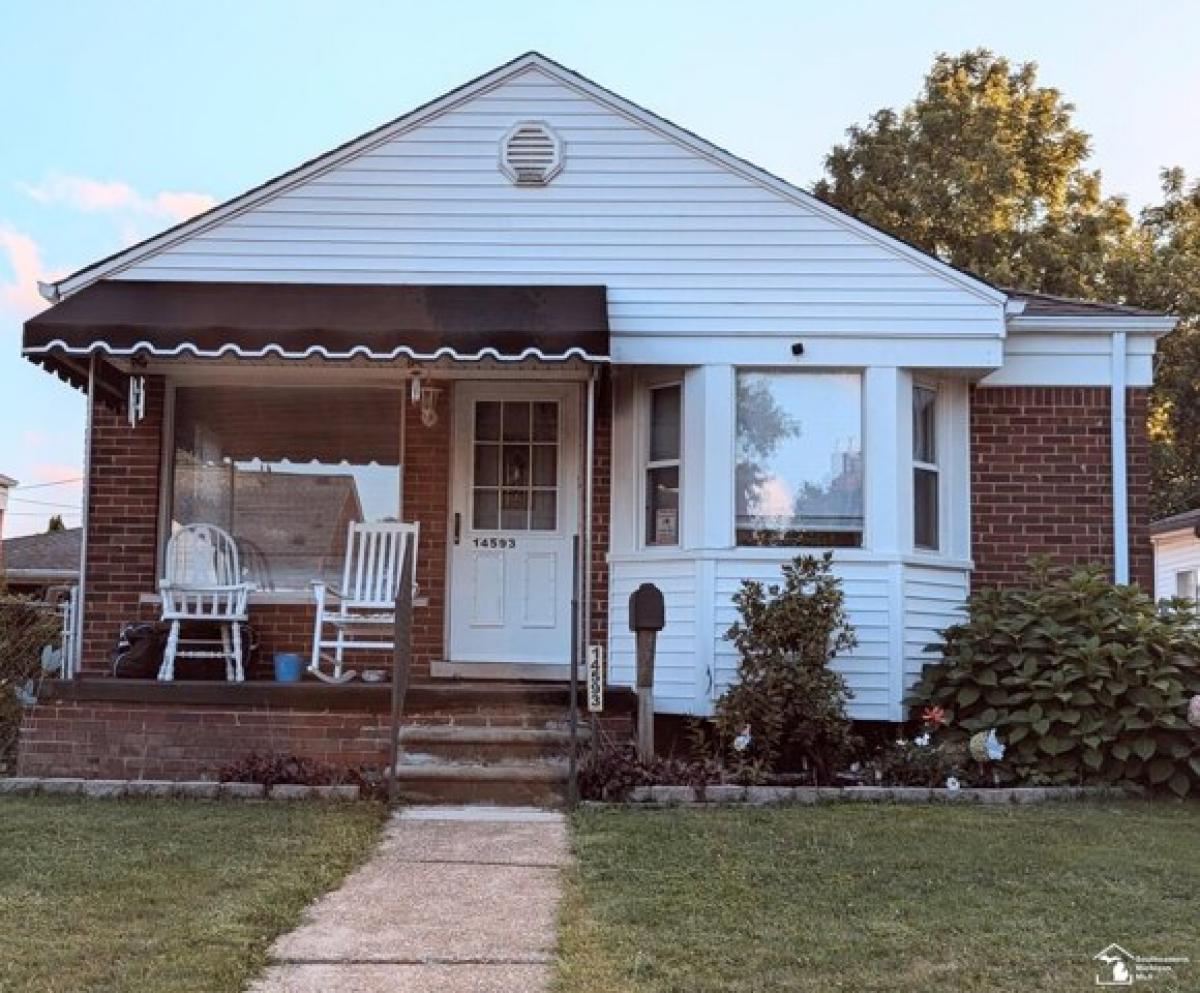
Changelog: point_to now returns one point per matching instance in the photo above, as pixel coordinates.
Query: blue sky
(118, 118)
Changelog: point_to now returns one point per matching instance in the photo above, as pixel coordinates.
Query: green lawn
(161, 896)
(887, 898)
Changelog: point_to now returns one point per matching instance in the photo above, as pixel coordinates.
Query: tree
(56, 524)
(1160, 269)
(985, 170)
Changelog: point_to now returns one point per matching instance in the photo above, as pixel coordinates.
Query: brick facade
(122, 543)
(1041, 480)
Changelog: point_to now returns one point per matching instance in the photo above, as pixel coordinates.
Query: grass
(875, 898)
(163, 896)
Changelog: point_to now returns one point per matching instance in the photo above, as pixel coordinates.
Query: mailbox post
(647, 617)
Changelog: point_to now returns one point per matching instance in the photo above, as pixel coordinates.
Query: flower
(952, 783)
(1193, 711)
(922, 740)
(933, 716)
(995, 750)
(742, 741)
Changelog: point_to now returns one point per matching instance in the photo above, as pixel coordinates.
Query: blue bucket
(288, 667)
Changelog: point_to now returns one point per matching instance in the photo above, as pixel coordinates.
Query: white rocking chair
(204, 583)
(362, 613)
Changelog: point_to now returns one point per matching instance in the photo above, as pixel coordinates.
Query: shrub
(271, 769)
(1085, 681)
(610, 770)
(27, 628)
(785, 694)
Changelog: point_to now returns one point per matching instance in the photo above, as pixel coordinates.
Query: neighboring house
(546, 313)
(6, 484)
(37, 564)
(1177, 556)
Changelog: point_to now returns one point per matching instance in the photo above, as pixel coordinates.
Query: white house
(1177, 556)
(618, 333)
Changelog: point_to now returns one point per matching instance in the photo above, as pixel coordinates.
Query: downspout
(1120, 500)
(588, 481)
(81, 599)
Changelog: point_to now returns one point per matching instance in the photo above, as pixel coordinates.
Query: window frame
(648, 464)
(166, 476)
(860, 374)
(1195, 576)
(934, 467)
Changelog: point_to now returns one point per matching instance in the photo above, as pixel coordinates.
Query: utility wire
(58, 482)
(46, 503)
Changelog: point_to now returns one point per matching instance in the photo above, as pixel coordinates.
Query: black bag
(139, 651)
(141, 644)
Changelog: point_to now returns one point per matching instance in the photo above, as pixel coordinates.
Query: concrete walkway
(461, 899)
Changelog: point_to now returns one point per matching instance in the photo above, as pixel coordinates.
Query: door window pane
(799, 465)
(545, 510)
(515, 484)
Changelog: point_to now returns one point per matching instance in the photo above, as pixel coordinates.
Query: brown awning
(306, 320)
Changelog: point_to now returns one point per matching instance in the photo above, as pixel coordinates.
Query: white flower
(995, 750)
(952, 783)
(1193, 711)
(922, 740)
(742, 741)
(900, 742)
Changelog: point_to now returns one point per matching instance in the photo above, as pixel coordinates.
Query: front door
(515, 496)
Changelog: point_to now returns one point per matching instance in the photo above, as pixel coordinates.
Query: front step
(423, 744)
(542, 784)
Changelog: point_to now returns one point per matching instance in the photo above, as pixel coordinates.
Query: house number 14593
(495, 542)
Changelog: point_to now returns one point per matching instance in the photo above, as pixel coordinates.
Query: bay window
(285, 471)
(798, 460)
(662, 464)
(926, 517)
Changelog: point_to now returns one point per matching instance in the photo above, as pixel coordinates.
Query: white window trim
(645, 389)
(936, 467)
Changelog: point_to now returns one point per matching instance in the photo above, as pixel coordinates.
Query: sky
(120, 118)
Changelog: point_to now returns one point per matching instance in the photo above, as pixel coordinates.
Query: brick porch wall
(122, 544)
(1041, 480)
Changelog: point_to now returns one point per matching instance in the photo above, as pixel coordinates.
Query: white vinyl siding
(933, 601)
(1174, 552)
(685, 245)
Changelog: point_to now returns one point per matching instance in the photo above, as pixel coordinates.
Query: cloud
(97, 196)
(19, 295)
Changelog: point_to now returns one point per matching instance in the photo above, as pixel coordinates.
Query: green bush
(1084, 681)
(793, 704)
(26, 627)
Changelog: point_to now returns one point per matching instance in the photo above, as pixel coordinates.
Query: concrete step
(485, 745)
(538, 783)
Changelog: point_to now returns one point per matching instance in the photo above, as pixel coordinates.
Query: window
(1186, 586)
(926, 529)
(799, 466)
(515, 481)
(662, 465)
(285, 471)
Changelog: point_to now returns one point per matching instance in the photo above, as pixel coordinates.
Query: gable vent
(531, 154)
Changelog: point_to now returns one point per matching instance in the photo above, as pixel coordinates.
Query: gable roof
(524, 63)
(52, 552)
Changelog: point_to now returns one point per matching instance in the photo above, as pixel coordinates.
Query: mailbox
(646, 610)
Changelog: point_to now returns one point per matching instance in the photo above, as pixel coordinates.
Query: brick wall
(1041, 480)
(601, 510)
(103, 740)
(122, 522)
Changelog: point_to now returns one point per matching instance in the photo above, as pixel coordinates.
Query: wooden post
(646, 619)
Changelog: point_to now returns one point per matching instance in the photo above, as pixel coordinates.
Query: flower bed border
(758, 796)
(112, 789)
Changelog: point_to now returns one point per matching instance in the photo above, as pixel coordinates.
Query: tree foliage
(986, 170)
